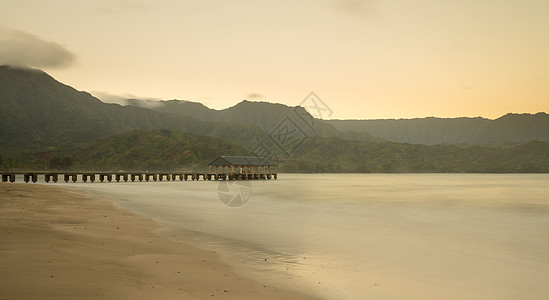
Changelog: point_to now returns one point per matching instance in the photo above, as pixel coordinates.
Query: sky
(365, 59)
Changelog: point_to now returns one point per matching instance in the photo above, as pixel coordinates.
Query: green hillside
(158, 150)
(319, 154)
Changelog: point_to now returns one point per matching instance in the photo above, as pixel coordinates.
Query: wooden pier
(222, 168)
(129, 176)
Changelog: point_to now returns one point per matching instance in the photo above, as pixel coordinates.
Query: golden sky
(365, 59)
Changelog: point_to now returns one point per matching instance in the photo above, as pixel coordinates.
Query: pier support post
(49, 177)
(139, 177)
(102, 177)
(67, 177)
(8, 177)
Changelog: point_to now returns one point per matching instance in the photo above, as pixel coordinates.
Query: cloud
(19, 48)
(111, 98)
(254, 96)
(354, 7)
(126, 99)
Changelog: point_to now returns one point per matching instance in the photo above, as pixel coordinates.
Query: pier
(222, 168)
(128, 176)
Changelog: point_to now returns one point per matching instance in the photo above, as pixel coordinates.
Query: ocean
(363, 236)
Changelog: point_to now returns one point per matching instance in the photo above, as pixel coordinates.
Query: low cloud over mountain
(20, 48)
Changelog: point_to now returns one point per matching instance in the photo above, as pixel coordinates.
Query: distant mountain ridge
(264, 115)
(511, 128)
(514, 128)
(261, 114)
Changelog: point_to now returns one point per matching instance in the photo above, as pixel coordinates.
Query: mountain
(334, 151)
(264, 115)
(37, 112)
(511, 128)
(48, 125)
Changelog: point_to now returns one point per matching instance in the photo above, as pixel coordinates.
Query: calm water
(366, 236)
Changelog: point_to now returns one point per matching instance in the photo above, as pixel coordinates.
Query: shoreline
(56, 243)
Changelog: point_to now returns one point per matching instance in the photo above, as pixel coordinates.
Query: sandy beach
(57, 244)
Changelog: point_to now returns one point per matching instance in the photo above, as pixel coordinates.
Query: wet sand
(57, 244)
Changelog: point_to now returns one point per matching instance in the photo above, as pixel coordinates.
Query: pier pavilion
(243, 167)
